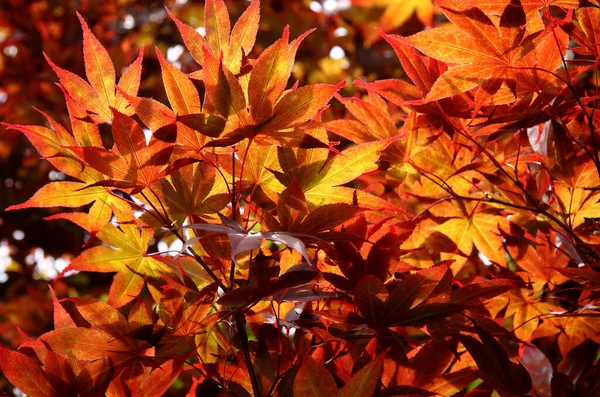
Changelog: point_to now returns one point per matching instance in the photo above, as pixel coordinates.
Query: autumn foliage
(432, 235)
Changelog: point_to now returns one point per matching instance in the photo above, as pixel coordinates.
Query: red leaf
(314, 380)
(371, 296)
(384, 256)
(62, 319)
(25, 373)
(85, 344)
(413, 290)
(364, 381)
(476, 292)
(494, 365)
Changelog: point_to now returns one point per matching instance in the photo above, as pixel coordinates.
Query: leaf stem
(233, 213)
(197, 257)
(241, 327)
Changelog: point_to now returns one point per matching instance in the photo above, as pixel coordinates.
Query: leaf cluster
(446, 244)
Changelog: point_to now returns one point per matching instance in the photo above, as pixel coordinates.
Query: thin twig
(197, 257)
(241, 327)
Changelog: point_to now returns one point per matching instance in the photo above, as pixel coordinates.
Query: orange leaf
(301, 105)
(412, 62)
(223, 91)
(102, 316)
(62, 318)
(181, 92)
(269, 78)
(479, 229)
(85, 131)
(85, 344)
(129, 83)
(82, 92)
(52, 147)
(462, 78)
(292, 207)
(129, 258)
(152, 113)
(98, 65)
(192, 39)
(218, 26)
(243, 36)
(61, 194)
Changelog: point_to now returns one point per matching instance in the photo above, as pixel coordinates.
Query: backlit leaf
(364, 381)
(243, 36)
(218, 27)
(98, 66)
(25, 373)
(314, 380)
(181, 92)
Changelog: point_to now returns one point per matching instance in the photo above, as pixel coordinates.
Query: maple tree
(437, 234)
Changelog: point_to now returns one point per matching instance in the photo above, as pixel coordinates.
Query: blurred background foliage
(345, 46)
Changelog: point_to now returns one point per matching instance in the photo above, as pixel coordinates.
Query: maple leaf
(320, 179)
(59, 146)
(575, 205)
(477, 227)
(129, 258)
(484, 53)
(99, 94)
(181, 92)
(132, 163)
(190, 192)
(100, 356)
(184, 318)
(494, 364)
(421, 371)
(76, 194)
(377, 120)
(258, 161)
(473, 225)
(294, 215)
(541, 259)
(234, 43)
(26, 374)
(586, 32)
(52, 144)
(527, 312)
(262, 110)
(576, 328)
(313, 379)
(224, 93)
(413, 302)
(363, 382)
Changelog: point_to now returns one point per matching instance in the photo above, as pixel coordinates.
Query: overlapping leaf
(128, 258)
